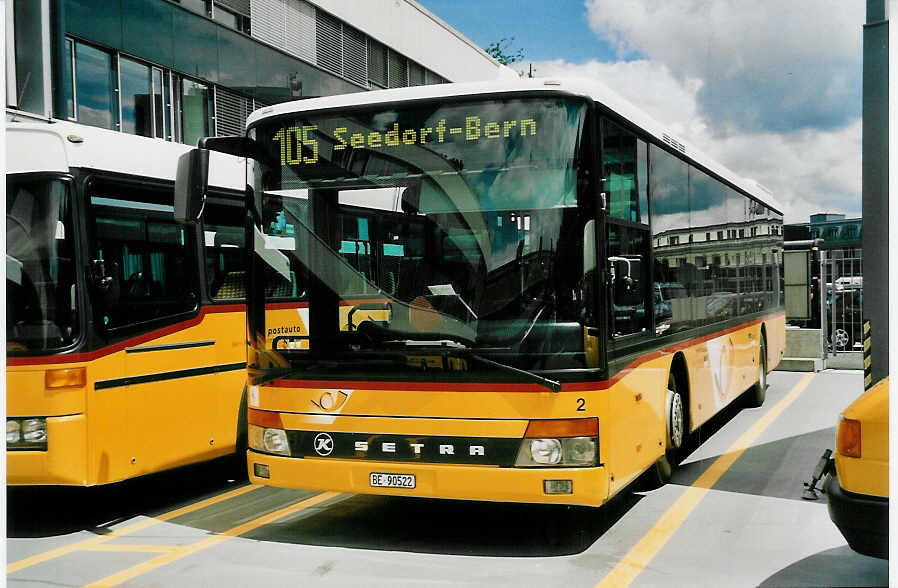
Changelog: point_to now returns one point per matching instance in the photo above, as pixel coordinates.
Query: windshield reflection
(471, 246)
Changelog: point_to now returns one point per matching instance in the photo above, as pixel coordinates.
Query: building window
(690, 237)
(136, 98)
(741, 233)
(93, 96)
(720, 235)
(198, 6)
(116, 92)
(673, 240)
(195, 109)
(707, 236)
(754, 231)
(230, 18)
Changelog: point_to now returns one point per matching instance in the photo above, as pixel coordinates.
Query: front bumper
(64, 462)
(463, 482)
(862, 519)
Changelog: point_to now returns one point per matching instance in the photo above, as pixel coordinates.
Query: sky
(770, 89)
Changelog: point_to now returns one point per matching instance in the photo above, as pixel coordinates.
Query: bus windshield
(451, 225)
(40, 266)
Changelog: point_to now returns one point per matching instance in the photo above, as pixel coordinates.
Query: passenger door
(160, 413)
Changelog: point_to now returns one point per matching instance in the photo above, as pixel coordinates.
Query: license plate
(380, 480)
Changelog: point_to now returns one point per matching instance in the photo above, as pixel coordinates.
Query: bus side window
(138, 239)
(223, 238)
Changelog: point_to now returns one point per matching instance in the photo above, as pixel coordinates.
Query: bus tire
(755, 395)
(660, 472)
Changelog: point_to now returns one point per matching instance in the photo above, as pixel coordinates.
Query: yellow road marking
(138, 548)
(651, 543)
(93, 541)
(186, 550)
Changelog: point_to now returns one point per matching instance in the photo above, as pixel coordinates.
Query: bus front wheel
(675, 417)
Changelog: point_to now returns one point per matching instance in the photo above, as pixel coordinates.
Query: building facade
(178, 70)
(836, 231)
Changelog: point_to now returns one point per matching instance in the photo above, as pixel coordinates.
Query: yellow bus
(125, 331)
(511, 291)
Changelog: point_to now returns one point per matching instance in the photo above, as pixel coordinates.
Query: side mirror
(191, 185)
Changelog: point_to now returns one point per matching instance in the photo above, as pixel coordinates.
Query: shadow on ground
(839, 566)
(768, 469)
(44, 511)
(451, 526)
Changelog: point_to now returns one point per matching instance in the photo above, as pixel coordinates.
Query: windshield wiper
(379, 333)
(551, 385)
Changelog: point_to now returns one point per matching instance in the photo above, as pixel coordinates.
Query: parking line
(136, 548)
(93, 541)
(186, 550)
(651, 543)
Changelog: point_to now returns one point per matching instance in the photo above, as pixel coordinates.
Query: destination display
(291, 140)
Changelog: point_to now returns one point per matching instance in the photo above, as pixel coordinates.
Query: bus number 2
(581, 405)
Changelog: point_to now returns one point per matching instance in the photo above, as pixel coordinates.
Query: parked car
(844, 310)
(857, 486)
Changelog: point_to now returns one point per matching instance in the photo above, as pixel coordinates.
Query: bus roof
(587, 88)
(60, 146)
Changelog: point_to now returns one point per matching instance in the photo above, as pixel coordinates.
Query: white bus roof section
(59, 146)
(589, 89)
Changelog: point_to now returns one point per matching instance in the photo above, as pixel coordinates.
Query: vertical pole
(868, 361)
(875, 182)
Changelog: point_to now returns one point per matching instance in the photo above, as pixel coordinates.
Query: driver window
(144, 252)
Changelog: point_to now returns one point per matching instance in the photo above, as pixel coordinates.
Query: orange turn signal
(553, 428)
(264, 418)
(848, 438)
(66, 378)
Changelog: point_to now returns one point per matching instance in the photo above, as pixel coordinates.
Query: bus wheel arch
(676, 418)
(754, 396)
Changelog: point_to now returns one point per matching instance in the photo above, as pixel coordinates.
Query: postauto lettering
(291, 140)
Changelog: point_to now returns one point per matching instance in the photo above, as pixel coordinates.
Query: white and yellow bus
(125, 331)
(512, 291)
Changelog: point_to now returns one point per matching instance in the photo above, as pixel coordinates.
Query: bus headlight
(34, 430)
(268, 440)
(26, 433)
(560, 442)
(13, 432)
(570, 451)
(545, 451)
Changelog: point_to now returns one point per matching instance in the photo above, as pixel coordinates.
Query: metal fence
(843, 276)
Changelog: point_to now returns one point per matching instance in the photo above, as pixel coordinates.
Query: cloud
(808, 170)
(764, 66)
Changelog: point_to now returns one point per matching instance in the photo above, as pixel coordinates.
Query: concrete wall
(414, 31)
(804, 343)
